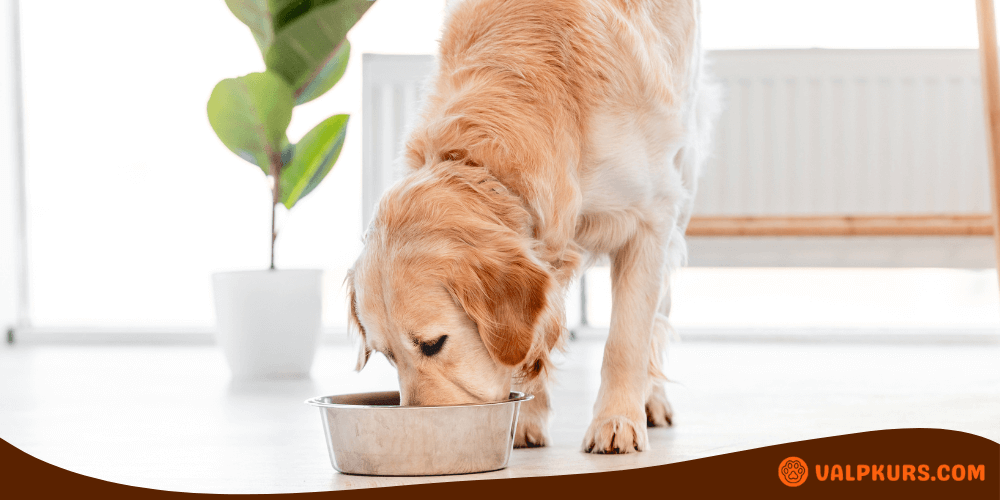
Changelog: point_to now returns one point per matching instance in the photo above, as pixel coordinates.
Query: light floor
(169, 418)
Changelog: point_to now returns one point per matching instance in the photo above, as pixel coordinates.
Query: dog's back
(541, 91)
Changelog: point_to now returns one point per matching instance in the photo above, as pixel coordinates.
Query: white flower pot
(268, 321)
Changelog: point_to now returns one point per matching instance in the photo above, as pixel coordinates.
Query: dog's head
(448, 290)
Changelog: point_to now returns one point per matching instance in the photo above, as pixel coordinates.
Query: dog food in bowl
(371, 434)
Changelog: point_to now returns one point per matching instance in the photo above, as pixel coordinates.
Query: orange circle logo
(793, 471)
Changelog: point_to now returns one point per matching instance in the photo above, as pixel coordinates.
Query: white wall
(132, 201)
(8, 168)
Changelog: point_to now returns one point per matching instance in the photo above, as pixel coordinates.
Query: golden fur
(554, 132)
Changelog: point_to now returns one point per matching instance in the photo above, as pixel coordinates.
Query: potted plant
(269, 320)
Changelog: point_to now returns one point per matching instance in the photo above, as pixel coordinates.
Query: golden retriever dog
(554, 132)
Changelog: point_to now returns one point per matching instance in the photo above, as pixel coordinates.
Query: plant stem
(275, 197)
(274, 234)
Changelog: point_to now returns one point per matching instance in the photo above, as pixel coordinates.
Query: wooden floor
(169, 418)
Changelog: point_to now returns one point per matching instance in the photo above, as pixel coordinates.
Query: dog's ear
(503, 295)
(352, 319)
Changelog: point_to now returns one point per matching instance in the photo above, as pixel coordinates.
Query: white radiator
(392, 86)
(847, 132)
(802, 132)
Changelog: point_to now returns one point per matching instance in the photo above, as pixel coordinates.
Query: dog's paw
(533, 421)
(658, 410)
(617, 434)
(531, 430)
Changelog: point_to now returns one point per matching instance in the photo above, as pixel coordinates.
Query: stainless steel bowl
(371, 434)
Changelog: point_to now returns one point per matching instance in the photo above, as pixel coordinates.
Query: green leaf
(328, 75)
(287, 151)
(315, 156)
(308, 35)
(256, 15)
(250, 115)
(302, 40)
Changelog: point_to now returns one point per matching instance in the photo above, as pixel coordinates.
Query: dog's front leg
(533, 420)
(637, 268)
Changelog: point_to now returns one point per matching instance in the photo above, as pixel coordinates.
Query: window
(132, 202)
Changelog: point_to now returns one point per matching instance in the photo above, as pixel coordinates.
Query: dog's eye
(432, 348)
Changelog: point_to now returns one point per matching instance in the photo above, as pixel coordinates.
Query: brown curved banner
(899, 463)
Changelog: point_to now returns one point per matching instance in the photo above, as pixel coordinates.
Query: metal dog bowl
(371, 434)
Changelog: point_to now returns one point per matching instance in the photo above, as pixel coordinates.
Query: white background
(133, 202)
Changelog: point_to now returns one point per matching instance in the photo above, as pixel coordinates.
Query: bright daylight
(496, 239)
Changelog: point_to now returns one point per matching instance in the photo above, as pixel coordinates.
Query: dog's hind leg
(658, 410)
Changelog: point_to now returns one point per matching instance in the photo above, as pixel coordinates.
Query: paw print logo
(793, 471)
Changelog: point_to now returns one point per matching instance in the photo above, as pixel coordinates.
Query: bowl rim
(514, 397)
